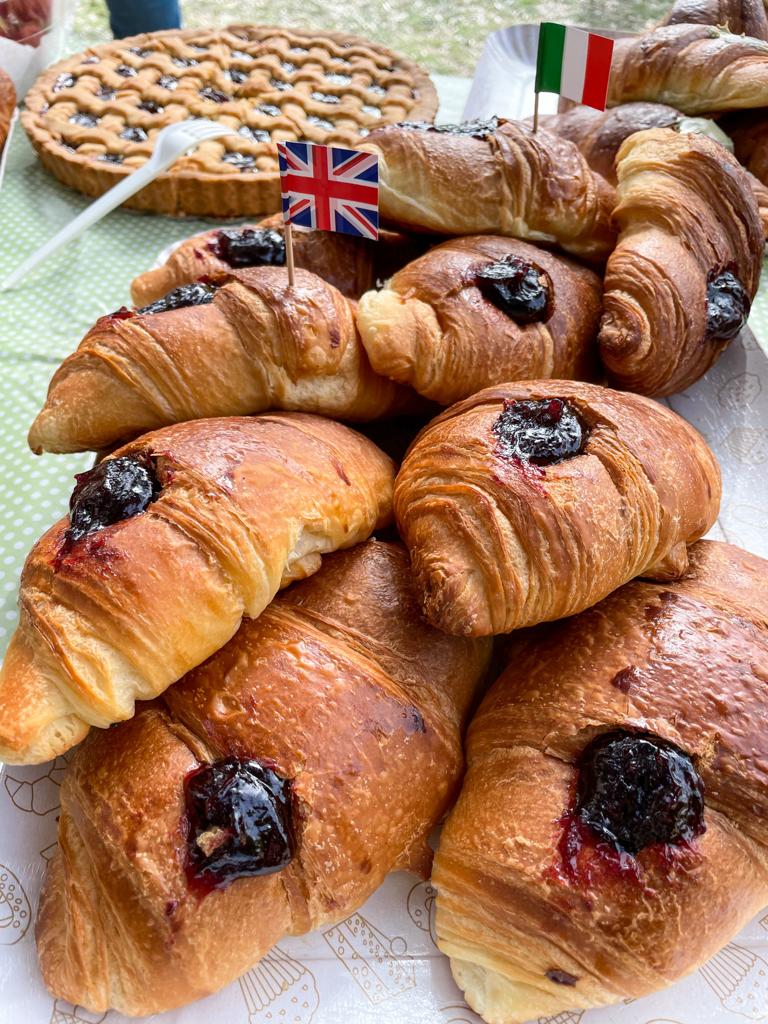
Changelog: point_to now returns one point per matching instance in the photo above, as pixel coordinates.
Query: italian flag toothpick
(573, 63)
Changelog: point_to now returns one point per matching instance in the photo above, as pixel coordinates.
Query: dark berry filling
(151, 107)
(241, 55)
(249, 247)
(240, 822)
(242, 161)
(197, 294)
(133, 134)
(477, 129)
(518, 288)
(320, 122)
(325, 97)
(139, 51)
(111, 158)
(84, 120)
(105, 94)
(63, 81)
(114, 490)
(278, 84)
(254, 134)
(635, 789)
(368, 108)
(269, 109)
(287, 67)
(728, 306)
(561, 977)
(377, 90)
(337, 79)
(209, 93)
(238, 77)
(299, 49)
(126, 71)
(542, 431)
(183, 62)
(90, 60)
(167, 82)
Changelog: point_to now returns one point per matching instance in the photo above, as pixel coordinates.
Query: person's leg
(131, 17)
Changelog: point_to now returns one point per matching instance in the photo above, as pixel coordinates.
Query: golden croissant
(699, 69)
(531, 501)
(679, 285)
(611, 833)
(332, 725)
(492, 177)
(739, 17)
(243, 343)
(481, 310)
(169, 543)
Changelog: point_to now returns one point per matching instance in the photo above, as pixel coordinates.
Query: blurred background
(445, 35)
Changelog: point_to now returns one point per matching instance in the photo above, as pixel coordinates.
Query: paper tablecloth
(381, 965)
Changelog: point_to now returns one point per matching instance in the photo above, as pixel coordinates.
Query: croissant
(349, 263)
(526, 185)
(699, 69)
(338, 714)
(749, 131)
(611, 832)
(242, 344)
(679, 285)
(168, 544)
(532, 501)
(7, 106)
(480, 310)
(600, 133)
(739, 17)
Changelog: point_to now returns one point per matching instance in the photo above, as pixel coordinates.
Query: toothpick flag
(574, 63)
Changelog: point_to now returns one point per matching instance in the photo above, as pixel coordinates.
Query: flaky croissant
(534, 500)
(679, 285)
(7, 105)
(168, 544)
(349, 263)
(253, 343)
(347, 706)
(481, 310)
(699, 69)
(611, 832)
(492, 177)
(739, 17)
(749, 131)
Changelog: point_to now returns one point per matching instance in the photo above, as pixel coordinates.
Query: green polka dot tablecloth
(381, 964)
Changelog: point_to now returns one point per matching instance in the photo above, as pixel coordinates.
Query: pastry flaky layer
(498, 543)
(502, 180)
(245, 506)
(686, 214)
(530, 934)
(433, 329)
(739, 17)
(342, 688)
(699, 69)
(258, 345)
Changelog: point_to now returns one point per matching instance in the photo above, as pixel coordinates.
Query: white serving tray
(381, 965)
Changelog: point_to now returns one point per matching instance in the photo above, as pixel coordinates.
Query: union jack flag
(329, 188)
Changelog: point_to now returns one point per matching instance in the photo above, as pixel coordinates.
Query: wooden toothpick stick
(536, 113)
(289, 252)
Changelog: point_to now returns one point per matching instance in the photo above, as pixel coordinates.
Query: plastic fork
(172, 142)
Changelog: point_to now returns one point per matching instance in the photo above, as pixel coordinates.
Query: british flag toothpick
(329, 188)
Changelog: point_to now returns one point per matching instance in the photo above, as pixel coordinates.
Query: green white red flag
(574, 63)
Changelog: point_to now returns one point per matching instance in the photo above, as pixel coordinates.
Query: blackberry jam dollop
(728, 306)
(114, 490)
(477, 129)
(637, 789)
(249, 247)
(542, 431)
(240, 822)
(197, 294)
(518, 288)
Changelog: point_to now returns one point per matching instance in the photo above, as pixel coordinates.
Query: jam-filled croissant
(168, 544)
(349, 263)
(531, 501)
(230, 346)
(492, 177)
(270, 791)
(612, 831)
(481, 310)
(679, 285)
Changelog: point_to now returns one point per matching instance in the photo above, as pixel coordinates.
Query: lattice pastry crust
(92, 117)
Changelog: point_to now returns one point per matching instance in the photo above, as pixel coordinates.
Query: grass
(447, 38)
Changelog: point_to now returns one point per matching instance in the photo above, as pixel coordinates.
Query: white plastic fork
(170, 143)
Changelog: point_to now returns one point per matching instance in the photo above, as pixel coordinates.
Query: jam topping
(254, 134)
(63, 81)
(114, 490)
(242, 161)
(249, 247)
(197, 294)
(238, 77)
(240, 822)
(167, 82)
(635, 790)
(126, 71)
(133, 135)
(542, 431)
(209, 93)
(84, 120)
(151, 107)
(728, 306)
(518, 288)
(477, 129)
(269, 109)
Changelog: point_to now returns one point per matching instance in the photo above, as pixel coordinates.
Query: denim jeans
(131, 17)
